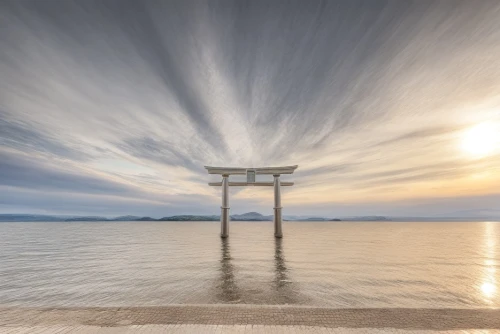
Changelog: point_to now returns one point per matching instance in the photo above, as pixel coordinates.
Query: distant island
(367, 219)
(136, 218)
(249, 216)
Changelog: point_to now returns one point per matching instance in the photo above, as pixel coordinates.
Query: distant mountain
(87, 219)
(480, 213)
(29, 218)
(190, 218)
(251, 216)
(128, 218)
(366, 219)
(145, 219)
(466, 215)
(288, 217)
(316, 218)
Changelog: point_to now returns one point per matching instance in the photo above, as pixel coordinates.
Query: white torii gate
(250, 172)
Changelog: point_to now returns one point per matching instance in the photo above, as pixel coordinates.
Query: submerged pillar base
(278, 232)
(224, 222)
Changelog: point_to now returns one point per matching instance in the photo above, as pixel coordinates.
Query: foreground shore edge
(401, 318)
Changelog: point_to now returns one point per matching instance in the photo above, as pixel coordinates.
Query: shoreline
(254, 315)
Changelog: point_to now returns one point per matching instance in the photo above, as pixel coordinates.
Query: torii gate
(250, 172)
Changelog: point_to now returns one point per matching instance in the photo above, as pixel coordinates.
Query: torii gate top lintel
(259, 170)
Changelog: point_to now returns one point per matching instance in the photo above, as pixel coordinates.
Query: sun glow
(481, 140)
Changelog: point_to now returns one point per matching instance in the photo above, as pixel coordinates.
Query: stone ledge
(401, 318)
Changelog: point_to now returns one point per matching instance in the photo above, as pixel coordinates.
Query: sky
(114, 107)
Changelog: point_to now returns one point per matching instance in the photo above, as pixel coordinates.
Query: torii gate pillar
(224, 209)
(250, 172)
(278, 232)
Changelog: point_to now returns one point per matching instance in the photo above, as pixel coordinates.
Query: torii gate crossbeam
(251, 173)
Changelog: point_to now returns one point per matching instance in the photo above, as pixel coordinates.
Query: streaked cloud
(118, 105)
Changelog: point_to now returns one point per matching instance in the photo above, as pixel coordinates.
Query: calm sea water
(335, 264)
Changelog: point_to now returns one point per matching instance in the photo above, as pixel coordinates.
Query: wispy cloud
(117, 105)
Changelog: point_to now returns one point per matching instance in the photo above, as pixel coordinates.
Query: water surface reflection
(228, 289)
(344, 264)
(284, 288)
(488, 285)
(278, 289)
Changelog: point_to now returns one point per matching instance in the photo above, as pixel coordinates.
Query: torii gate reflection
(282, 290)
(251, 173)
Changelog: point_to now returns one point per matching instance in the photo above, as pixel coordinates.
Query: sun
(481, 140)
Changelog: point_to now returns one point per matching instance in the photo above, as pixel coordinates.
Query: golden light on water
(488, 285)
(481, 140)
(488, 289)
